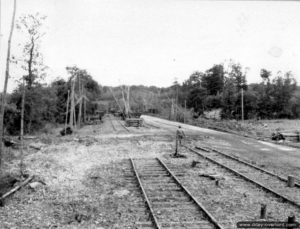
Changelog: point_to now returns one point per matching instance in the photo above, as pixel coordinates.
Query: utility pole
(242, 100)
(80, 102)
(176, 113)
(171, 111)
(124, 101)
(72, 109)
(84, 107)
(184, 111)
(66, 122)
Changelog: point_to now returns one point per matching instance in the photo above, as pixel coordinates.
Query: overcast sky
(151, 42)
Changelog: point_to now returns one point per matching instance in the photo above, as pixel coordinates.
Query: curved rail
(258, 184)
(246, 163)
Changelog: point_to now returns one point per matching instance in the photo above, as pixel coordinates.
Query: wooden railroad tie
(135, 122)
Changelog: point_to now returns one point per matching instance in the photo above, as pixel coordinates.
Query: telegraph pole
(242, 101)
(184, 111)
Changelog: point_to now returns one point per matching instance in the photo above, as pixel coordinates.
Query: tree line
(220, 87)
(223, 86)
(276, 96)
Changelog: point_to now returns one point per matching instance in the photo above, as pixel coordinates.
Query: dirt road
(281, 159)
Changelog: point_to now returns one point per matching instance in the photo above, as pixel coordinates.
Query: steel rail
(239, 160)
(123, 125)
(258, 184)
(151, 125)
(202, 208)
(154, 219)
(161, 123)
(248, 164)
(112, 124)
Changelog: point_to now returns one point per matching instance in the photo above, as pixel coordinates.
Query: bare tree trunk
(74, 113)
(84, 108)
(3, 99)
(30, 72)
(128, 94)
(115, 98)
(80, 103)
(22, 130)
(79, 114)
(124, 101)
(72, 104)
(66, 121)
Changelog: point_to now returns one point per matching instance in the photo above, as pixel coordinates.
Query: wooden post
(291, 181)
(66, 122)
(263, 211)
(291, 219)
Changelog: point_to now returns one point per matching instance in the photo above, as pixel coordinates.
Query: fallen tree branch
(16, 188)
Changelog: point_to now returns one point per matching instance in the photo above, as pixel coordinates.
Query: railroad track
(264, 179)
(111, 122)
(148, 125)
(168, 201)
(124, 127)
(119, 124)
(254, 169)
